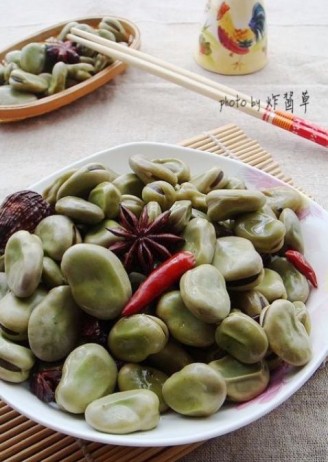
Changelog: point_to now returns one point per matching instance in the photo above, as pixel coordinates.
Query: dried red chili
(161, 279)
(300, 263)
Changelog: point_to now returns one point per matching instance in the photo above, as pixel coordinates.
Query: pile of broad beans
(45, 68)
(211, 335)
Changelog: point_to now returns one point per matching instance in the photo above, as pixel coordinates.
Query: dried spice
(59, 50)
(298, 260)
(44, 381)
(22, 210)
(144, 242)
(94, 330)
(160, 280)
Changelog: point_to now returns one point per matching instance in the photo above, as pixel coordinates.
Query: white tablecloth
(137, 106)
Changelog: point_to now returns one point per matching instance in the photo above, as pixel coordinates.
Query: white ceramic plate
(174, 429)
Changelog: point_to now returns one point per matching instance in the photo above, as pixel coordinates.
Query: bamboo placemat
(22, 440)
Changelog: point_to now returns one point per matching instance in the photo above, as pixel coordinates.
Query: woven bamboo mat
(22, 440)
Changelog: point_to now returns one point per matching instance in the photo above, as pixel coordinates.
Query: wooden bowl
(53, 102)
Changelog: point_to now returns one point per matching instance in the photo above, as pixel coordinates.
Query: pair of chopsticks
(202, 85)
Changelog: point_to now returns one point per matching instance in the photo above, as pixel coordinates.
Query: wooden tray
(51, 103)
(22, 440)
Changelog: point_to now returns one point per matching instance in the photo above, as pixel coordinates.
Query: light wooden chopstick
(202, 85)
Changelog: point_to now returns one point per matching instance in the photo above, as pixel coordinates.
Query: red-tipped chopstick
(201, 85)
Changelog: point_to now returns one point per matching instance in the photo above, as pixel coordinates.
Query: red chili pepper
(298, 260)
(161, 279)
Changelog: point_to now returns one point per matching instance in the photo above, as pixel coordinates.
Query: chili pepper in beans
(161, 279)
(300, 263)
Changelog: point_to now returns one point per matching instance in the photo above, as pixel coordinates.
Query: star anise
(144, 242)
(59, 50)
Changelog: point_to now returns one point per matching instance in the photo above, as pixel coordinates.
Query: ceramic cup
(233, 38)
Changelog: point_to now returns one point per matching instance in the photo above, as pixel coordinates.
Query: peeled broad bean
(294, 235)
(15, 313)
(100, 234)
(244, 381)
(197, 390)
(25, 81)
(57, 233)
(100, 62)
(234, 183)
(50, 193)
(303, 315)
(89, 372)
(203, 291)
(200, 239)
(272, 285)
(16, 361)
(242, 337)
(129, 183)
(296, 284)
(134, 338)
(153, 210)
(281, 197)
(3, 284)
(161, 192)
(177, 166)
(182, 323)
(13, 56)
(171, 358)
(51, 273)
(98, 280)
(33, 58)
(67, 29)
(250, 302)
(228, 203)
(80, 71)
(58, 78)
(287, 335)
(212, 179)
(149, 171)
(81, 182)
(113, 22)
(265, 232)
(10, 97)
(238, 261)
(133, 203)
(2, 74)
(180, 214)
(188, 191)
(79, 210)
(107, 197)
(115, 29)
(124, 412)
(23, 263)
(53, 326)
(136, 376)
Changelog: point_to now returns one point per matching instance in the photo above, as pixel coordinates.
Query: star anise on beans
(44, 381)
(59, 50)
(144, 242)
